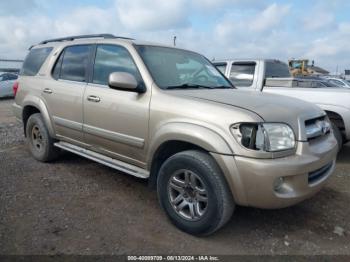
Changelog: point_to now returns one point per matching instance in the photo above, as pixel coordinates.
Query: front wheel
(193, 193)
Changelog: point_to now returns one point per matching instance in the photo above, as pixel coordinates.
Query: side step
(108, 161)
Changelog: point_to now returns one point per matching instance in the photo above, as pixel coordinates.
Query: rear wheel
(193, 193)
(39, 141)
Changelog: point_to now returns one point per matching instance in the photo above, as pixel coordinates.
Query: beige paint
(130, 127)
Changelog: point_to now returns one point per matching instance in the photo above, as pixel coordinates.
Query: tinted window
(35, 60)
(276, 69)
(112, 58)
(75, 63)
(11, 77)
(57, 69)
(242, 74)
(221, 67)
(176, 68)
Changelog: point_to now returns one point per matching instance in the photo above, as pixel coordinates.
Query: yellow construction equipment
(300, 67)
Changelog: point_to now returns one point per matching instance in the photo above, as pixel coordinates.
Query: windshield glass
(174, 68)
(276, 69)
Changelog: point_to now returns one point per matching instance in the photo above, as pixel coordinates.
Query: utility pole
(336, 70)
(174, 40)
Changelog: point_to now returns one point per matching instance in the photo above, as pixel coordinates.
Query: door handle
(47, 91)
(95, 99)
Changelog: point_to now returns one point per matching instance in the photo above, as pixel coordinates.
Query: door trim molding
(114, 136)
(68, 123)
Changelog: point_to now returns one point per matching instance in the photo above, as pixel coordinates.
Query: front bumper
(304, 174)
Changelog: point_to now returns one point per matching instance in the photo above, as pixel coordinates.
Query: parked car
(6, 83)
(273, 76)
(338, 82)
(168, 115)
(313, 82)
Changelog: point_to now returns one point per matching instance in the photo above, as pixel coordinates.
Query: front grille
(317, 127)
(318, 174)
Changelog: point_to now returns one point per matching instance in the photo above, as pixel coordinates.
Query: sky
(314, 29)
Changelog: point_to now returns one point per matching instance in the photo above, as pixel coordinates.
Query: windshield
(174, 68)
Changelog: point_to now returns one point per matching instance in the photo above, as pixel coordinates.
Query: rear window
(276, 69)
(34, 61)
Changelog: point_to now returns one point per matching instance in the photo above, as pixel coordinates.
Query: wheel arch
(178, 137)
(338, 121)
(36, 105)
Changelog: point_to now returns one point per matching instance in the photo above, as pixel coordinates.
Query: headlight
(269, 137)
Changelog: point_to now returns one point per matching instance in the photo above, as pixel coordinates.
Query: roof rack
(71, 38)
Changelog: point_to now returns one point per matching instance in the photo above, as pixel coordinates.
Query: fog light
(278, 183)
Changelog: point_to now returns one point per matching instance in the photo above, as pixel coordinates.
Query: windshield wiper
(188, 85)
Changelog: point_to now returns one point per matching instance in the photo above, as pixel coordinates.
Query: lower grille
(318, 174)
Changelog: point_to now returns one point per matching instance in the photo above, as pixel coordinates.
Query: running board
(108, 161)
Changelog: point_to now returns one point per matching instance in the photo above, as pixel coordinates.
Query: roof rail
(71, 38)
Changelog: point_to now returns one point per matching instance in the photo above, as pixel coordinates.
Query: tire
(338, 136)
(207, 192)
(39, 141)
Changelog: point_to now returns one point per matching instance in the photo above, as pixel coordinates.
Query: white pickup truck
(269, 75)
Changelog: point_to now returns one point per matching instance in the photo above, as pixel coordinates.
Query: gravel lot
(76, 206)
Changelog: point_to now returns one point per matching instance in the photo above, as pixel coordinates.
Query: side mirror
(123, 81)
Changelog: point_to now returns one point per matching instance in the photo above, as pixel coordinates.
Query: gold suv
(168, 115)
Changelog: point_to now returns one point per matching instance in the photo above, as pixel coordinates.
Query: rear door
(64, 93)
(115, 121)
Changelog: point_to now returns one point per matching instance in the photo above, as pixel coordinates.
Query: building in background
(347, 74)
(10, 65)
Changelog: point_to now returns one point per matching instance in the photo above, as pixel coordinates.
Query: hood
(270, 107)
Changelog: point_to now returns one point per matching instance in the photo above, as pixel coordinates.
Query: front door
(115, 121)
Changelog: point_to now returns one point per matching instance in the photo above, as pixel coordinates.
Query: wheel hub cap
(188, 195)
(37, 138)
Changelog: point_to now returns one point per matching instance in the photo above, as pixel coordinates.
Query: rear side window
(57, 69)
(242, 74)
(74, 64)
(113, 58)
(34, 61)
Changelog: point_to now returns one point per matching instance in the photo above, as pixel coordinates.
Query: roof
(96, 38)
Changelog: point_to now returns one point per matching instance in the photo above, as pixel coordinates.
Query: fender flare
(341, 111)
(195, 134)
(41, 106)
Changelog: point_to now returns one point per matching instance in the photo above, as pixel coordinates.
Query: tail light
(15, 88)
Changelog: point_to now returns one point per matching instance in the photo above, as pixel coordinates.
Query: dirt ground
(76, 206)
